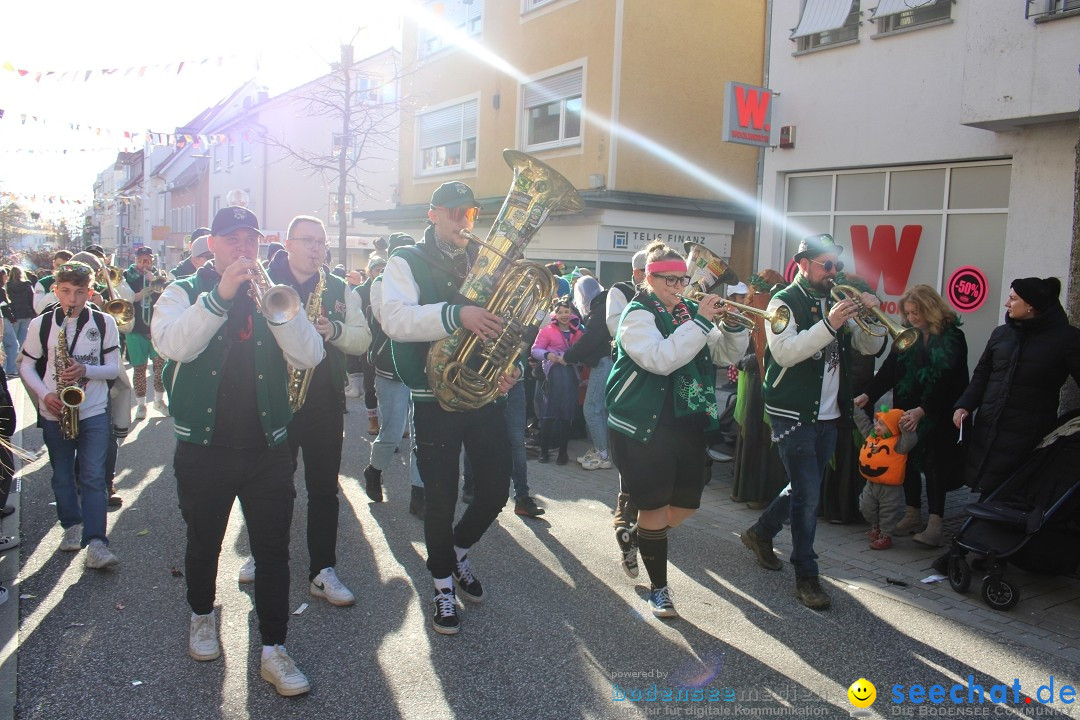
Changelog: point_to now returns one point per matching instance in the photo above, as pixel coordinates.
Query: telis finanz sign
(748, 112)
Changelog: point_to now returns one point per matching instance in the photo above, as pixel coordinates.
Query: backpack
(41, 363)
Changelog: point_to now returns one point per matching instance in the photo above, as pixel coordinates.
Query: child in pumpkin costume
(882, 461)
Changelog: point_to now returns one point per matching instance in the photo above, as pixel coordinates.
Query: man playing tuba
(421, 305)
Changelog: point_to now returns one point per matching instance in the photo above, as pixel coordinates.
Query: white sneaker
(354, 389)
(98, 555)
(159, 405)
(596, 463)
(280, 671)
(328, 585)
(203, 644)
(247, 572)
(588, 456)
(72, 541)
(140, 412)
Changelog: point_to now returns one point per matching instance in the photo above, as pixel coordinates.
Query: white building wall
(904, 99)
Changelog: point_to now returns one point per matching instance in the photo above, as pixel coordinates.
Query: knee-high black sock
(652, 544)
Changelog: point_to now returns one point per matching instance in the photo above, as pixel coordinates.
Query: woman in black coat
(926, 380)
(20, 293)
(1015, 387)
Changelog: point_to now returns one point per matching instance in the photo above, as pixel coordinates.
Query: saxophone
(300, 380)
(71, 396)
(463, 370)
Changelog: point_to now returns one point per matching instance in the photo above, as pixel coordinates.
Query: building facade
(622, 98)
(934, 139)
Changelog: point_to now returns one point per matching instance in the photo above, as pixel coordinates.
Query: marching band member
(85, 343)
(227, 373)
(418, 307)
(140, 350)
(807, 390)
(318, 426)
(661, 399)
(43, 295)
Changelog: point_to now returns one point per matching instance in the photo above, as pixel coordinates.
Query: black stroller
(1031, 521)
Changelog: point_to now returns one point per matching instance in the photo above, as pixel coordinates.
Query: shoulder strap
(43, 335)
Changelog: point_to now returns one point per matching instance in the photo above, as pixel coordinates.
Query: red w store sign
(747, 114)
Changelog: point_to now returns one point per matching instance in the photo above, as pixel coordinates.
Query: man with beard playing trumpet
(807, 391)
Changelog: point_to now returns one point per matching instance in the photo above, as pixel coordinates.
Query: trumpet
(708, 273)
(778, 319)
(873, 320)
(159, 283)
(277, 303)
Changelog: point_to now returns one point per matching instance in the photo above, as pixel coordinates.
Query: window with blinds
(447, 138)
(552, 111)
(464, 16)
(827, 22)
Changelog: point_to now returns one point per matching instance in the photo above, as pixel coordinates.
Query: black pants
(7, 465)
(440, 436)
(935, 485)
(554, 434)
(371, 401)
(318, 432)
(208, 480)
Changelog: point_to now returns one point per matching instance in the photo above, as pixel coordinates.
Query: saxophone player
(75, 344)
(419, 306)
(318, 425)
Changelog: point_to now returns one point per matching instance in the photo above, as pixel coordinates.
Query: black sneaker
(445, 620)
(527, 507)
(544, 457)
(763, 549)
(470, 587)
(810, 594)
(563, 458)
(628, 546)
(416, 501)
(373, 484)
(661, 603)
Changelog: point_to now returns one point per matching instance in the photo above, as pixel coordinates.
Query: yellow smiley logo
(862, 693)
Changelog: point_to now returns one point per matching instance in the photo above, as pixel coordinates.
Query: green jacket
(437, 282)
(635, 397)
(794, 393)
(193, 386)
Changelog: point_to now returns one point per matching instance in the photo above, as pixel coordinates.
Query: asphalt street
(563, 632)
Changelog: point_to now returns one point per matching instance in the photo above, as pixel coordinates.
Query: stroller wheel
(999, 593)
(959, 574)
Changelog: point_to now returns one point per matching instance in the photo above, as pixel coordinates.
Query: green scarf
(804, 282)
(695, 382)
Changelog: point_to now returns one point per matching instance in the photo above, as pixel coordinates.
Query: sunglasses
(458, 214)
(77, 268)
(828, 265)
(674, 280)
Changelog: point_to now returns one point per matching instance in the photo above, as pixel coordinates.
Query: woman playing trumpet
(661, 399)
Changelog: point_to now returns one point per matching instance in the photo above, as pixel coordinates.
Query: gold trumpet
(277, 303)
(874, 321)
(709, 273)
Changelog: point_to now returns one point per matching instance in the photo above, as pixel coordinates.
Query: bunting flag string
(134, 136)
(83, 75)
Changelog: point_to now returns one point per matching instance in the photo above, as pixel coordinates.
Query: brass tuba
(464, 370)
(871, 319)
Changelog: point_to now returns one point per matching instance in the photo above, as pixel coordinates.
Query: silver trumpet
(277, 303)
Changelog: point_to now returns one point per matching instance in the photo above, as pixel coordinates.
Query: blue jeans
(11, 349)
(21, 327)
(804, 450)
(394, 408)
(595, 408)
(515, 426)
(87, 504)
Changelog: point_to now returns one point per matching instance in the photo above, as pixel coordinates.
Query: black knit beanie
(1039, 293)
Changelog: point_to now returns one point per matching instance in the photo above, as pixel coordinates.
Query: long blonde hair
(931, 306)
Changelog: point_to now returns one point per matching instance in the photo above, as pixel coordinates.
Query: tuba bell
(463, 370)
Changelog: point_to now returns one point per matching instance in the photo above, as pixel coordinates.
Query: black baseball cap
(143, 250)
(234, 218)
(453, 194)
(199, 232)
(398, 239)
(813, 245)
